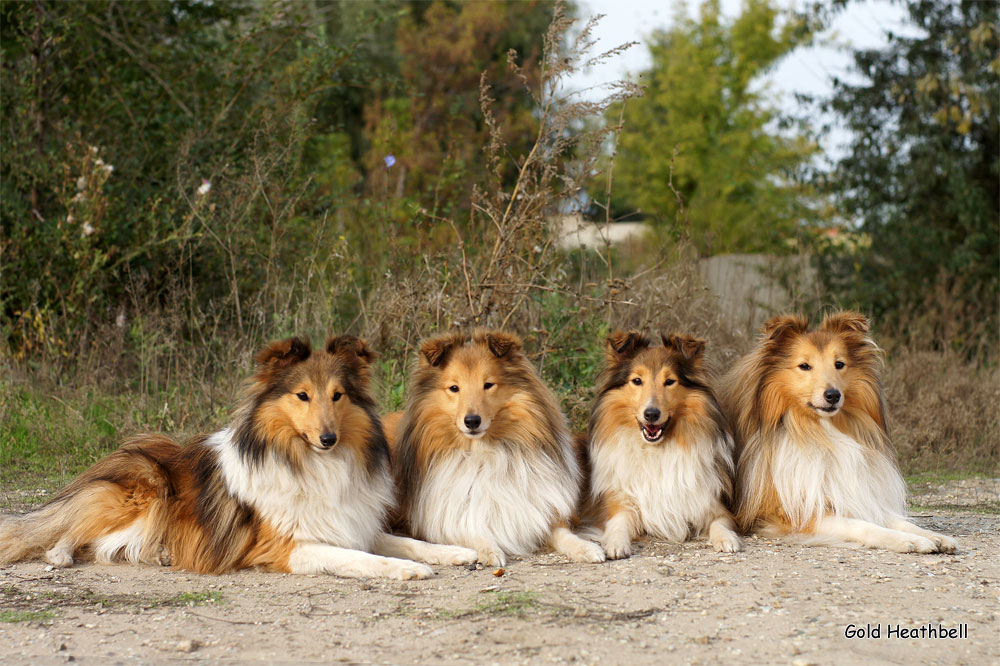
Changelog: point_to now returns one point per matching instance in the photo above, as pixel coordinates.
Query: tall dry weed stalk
(506, 258)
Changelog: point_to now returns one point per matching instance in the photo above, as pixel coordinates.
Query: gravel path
(772, 603)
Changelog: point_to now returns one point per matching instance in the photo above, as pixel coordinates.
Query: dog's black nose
(328, 439)
(472, 421)
(832, 396)
(652, 414)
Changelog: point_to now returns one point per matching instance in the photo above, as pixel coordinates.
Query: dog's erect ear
(779, 327)
(280, 355)
(434, 352)
(625, 344)
(846, 321)
(499, 343)
(692, 349)
(348, 344)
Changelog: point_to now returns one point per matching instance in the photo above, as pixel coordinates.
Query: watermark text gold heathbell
(930, 630)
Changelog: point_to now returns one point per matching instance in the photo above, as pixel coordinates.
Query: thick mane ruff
(661, 452)
(529, 436)
(779, 446)
(531, 420)
(698, 420)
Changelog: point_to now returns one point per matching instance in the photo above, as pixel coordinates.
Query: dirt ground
(772, 603)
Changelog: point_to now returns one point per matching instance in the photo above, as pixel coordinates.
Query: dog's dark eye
(839, 365)
(669, 382)
(337, 396)
(488, 385)
(303, 396)
(453, 388)
(637, 381)
(805, 366)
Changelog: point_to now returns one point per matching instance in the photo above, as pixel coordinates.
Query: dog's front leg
(873, 536)
(391, 545)
(320, 558)
(945, 544)
(619, 530)
(563, 541)
(722, 533)
(489, 553)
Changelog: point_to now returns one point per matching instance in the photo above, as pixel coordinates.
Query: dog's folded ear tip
(289, 350)
(846, 320)
(780, 325)
(501, 343)
(626, 342)
(350, 344)
(689, 346)
(434, 352)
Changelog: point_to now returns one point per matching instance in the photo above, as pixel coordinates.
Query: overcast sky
(861, 25)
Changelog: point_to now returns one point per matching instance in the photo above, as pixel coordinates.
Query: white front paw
(491, 556)
(728, 542)
(59, 557)
(454, 555)
(585, 551)
(912, 543)
(945, 544)
(617, 548)
(407, 570)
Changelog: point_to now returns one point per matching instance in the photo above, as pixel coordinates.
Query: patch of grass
(939, 477)
(46, 439)
(943, 414)
(25, 600)
(503, 603)
(508, 603)
(196, 598)
(50, 434)
(983, 508)
(26, 616)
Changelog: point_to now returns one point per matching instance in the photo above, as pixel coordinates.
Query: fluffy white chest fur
(836, 475)
(494, 493)
(675, 489)
(327, 501)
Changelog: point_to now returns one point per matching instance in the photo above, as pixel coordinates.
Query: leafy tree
(431, 120)
(737, 163)
(113, 113)
(921, 178)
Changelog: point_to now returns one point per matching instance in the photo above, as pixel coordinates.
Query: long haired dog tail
(30, 535)
(127, 488)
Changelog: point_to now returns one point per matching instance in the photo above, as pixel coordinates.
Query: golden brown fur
(250, 495)
(480, 421)
(660, 449)
(813, 448)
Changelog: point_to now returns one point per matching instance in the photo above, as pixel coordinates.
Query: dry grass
(944, 413)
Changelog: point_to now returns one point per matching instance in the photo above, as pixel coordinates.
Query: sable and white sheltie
(484, 457)
(299, 483)
(661, 453)
(813, 450)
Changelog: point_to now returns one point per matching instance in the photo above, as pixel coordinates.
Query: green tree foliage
(735, 168)
(431, 119)
(116, 111)
(922, 178)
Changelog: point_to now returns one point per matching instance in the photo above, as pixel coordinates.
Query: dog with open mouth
(814, 459)
(660, 450)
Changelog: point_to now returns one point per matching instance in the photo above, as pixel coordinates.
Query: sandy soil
(772, 603)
